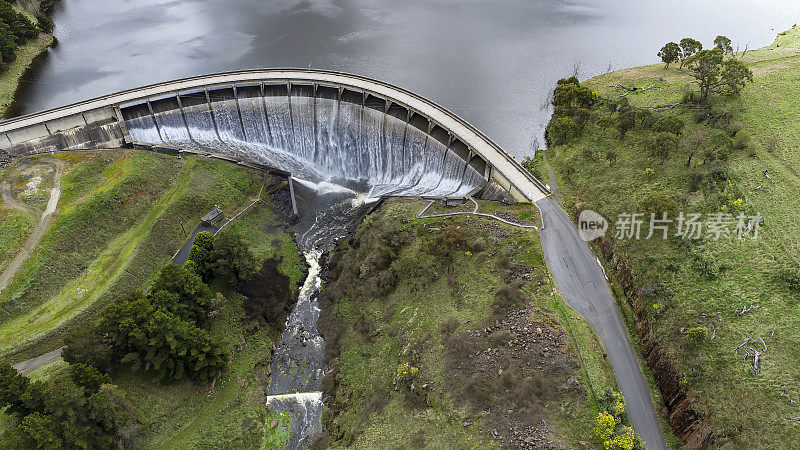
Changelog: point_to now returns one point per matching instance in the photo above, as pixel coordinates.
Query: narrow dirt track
(41, 226)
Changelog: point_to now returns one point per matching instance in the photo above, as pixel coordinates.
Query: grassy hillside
(230, 412)
(706, 283)
(120, 221)
(447, 333)
(14, 228)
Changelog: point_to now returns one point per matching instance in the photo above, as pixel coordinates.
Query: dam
(315, 125)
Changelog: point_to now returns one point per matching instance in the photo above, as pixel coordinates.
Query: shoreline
(27, 57)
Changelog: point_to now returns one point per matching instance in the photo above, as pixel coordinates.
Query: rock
(274, 423)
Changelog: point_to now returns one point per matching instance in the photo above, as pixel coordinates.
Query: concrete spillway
(320, 124)
(315, 134)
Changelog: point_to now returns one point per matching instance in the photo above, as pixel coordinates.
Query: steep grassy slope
(230, 412)
(14, 228)
(120, 221)
(706, 282)
(447, 333)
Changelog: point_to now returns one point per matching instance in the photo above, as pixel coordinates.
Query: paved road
(582, 284)
(26, 367)
(182, 256)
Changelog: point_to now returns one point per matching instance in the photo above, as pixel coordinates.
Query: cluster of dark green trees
(225, 256)
(15, 30)
(77, 409)
(716, 70)
(572, 103)
(163, 332)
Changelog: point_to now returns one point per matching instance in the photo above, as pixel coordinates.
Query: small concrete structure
(213, 216)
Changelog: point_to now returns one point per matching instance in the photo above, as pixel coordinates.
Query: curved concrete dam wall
(319, 126)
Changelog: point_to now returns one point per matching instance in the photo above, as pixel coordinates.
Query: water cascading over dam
(317, 135)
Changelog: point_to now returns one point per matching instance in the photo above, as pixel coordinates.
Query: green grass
(737, 403)
(14, 228)
(231, 415)
(269, 237)
(404, 326)
(178, 190)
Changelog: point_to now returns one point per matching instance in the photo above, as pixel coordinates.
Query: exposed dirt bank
(689, 426)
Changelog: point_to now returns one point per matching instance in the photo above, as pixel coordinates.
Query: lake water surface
(492, 63)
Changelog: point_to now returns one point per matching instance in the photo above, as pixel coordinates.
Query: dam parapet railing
(101, 122)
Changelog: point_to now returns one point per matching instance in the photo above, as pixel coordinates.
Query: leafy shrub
(508, 297)
(658, 204)
(690, 96)
(449, 326)
(698, 336)
(695, 180)
(790, 276)
(612, 425)
(562, 130)
(741, 140)
(669, 124)
(450, 238)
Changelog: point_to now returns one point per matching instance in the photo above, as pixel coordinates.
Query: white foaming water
(316, 139)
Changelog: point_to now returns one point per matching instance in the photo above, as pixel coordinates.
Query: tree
(36, 430)
(627, 122)
(44, 23)
(181, 292)
(88, 377)
(669, 54)
(718, 147)
(12, 387)
(663, 145)
(611, 156)
(689, 47)
(669, 124)
(570, 94)
(200, 253)
(233, 259)
(715, 74)
(562, 130)
(724, 44)
(644, 115)
(694, 143)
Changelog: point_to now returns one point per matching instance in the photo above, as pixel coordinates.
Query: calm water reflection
(493, 63)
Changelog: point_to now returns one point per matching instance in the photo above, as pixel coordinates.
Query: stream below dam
(297, 362)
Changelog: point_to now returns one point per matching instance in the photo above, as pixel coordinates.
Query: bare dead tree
(750, 352)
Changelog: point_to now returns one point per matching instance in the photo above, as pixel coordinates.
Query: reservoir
(492, 63)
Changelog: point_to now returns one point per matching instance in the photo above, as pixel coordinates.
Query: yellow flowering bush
(611, 425)
(618, 408)
(648, 171)
(625, 440)
(604, 426)
(406, 371)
